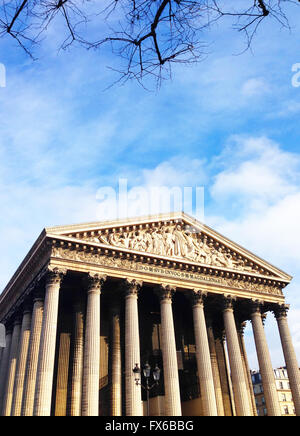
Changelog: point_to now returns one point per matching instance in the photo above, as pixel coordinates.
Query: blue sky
(229, 124)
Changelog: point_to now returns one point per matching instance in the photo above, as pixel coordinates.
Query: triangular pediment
(174, 236)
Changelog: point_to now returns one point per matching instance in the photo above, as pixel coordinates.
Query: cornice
(85, 228)
(75, 243)
(24, 264)
(91, 248)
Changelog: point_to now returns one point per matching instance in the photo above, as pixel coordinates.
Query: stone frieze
(177, 241)
(123, 263)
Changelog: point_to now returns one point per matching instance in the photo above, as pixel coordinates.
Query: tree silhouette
(149, 35)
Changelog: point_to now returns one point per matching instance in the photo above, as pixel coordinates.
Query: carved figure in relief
(180, 247)
(173, 240)
(126, 239)
(207, 251)
(169, 239)
(221, 258)
(214, 258)
(138, 242)
(103, 238)
(114, 239)
(158, 243)
(229, 261)
(148, 241)
(192, 249)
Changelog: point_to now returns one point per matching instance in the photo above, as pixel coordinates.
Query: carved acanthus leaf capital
(241, 327)
(55, 275)
(281, 310)
(256, 307)
(264, 318)
(165, 292)
(228, 302)
(94, 281)
(38, 294)
(132, 286)
(198, 297)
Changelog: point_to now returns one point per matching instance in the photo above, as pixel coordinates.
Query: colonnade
(27, 362)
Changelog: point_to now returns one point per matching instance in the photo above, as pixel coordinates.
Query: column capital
(228, 302)
(256, 306)
(27, 307)
(197, 297)
(281, 310)
(38, 295)
(241, 327)
(9, 329)
(94, 281)
(132, 286)
(219, 333)
(165, 292)
(54, 275)
(17, 320)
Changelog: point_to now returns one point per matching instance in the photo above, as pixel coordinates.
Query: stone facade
(91, 301)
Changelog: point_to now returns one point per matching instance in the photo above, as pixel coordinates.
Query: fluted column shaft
(133, 398)
(236, 365)
(289, 355)
(32, 358)
(168, 345)
(77, 360)
(91, 363)
(224, 378)
(247, 368)
(215, 369)
(4, 366)
(43, 391)
(21, 363)
(13, 356)
(204, 367)
(265, 364)
(116, 363)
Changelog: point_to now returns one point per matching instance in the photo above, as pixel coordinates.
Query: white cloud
(262, 180)
(256, 171)
(255, 87)
(178, 171)
(286, 109)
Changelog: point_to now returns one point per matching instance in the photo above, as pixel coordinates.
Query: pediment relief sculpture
(177, 241)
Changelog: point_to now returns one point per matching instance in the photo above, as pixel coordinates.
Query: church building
(93, 305)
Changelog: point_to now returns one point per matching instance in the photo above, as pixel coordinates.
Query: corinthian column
(246, 367)
(43, 391)
(115, 362)
(12, 363)
(168, 345)
(4, 365)
(133, 398)
(289, 355)
(32, 358)
(265, 364)
(74, 406)
(241, 397)
(215, 367)
(223, 375)
(91, 362)
(204, 366)
(21, 365)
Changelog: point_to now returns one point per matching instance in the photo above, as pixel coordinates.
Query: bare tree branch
(148, 35)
